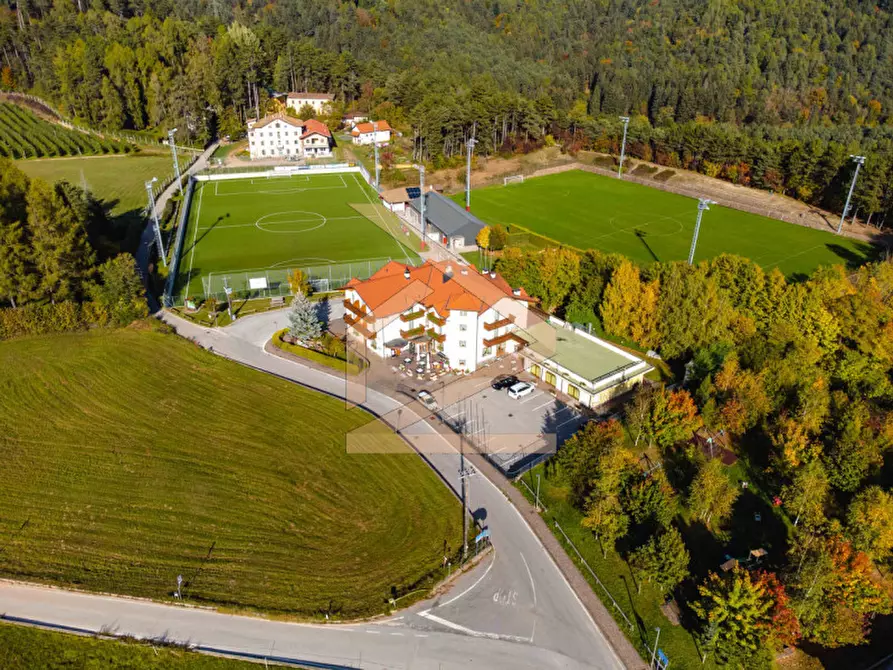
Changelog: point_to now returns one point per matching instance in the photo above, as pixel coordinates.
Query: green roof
(572, 351)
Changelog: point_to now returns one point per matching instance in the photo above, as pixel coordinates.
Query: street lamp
(703, 205)
(154, 214)
(170, 139)
(625, 120)
(375, 149)
(469, 145)
(859, 161)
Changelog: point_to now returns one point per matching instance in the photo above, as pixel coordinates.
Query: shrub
(664, 175)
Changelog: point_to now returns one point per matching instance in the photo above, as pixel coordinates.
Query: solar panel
(413, 192)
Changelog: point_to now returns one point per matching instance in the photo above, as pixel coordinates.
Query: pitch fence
(273, 282)
(278, 171)
(174, 268)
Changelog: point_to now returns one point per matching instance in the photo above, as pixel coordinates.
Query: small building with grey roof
(585, 367)
(448, 222)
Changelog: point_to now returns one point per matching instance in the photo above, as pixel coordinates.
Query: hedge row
(317, 357)
(63, 317)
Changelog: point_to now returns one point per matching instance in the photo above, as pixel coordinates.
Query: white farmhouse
(281, 136)
(378, 132)
(320, 102)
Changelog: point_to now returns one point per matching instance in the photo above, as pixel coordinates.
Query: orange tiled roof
(312, 126)
(367, 127)
(438, 285)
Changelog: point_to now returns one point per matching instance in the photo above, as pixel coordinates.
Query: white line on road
(548, 402)
(535, 395)
(374, 632)
(532, 586)
(479, 580)
(469, 631)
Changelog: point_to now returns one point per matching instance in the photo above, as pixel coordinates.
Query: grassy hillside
(132, 456)
(23, 647)
(586, 211)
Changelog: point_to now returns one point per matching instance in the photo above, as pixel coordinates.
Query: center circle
(294, 221)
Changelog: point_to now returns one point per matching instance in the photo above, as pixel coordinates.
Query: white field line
(276, 223)
(381, 218)
(279, 191)
(198, 215)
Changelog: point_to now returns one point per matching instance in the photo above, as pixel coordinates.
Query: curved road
(514, 610)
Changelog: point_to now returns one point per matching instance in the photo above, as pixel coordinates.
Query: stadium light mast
(859, 161)
(170, 140)
(154, 214)
(469, 145)
(375, 149)
(625, 120)
(423, 224)
(703, 205)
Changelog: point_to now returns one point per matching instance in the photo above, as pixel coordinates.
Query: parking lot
(511, 431)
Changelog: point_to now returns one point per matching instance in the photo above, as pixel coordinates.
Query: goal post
(513, 179)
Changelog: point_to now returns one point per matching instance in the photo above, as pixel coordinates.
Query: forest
(766, 94)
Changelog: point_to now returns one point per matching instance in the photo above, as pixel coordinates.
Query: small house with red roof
(378, 132)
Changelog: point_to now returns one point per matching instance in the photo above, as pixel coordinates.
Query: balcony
(434, 335)
(358, 325)
(502, 339)
(356, 308)
(412, 332)
(436, 320)
(412, 316)
(507, 321)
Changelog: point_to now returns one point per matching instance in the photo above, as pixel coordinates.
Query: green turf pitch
(586, 211)
(280, 223)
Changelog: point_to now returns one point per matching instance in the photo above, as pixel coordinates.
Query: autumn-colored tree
(559, 272)
(606, 518)
(580, 458)
(783, 628)
(298, 282)
(499, 237)
(805, 497)
(651, 499)
(742, 398)
(629, 307)
(712, 494)
(674, 417)
(483, 238)
(793, 444)
(870, 522)
(736, 614)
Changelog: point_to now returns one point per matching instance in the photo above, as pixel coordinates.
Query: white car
(427, 400)
(520, 390)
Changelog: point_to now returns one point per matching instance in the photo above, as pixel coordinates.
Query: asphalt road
(514, 610)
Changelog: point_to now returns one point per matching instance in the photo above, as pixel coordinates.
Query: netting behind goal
(514, 179)
(273, 282)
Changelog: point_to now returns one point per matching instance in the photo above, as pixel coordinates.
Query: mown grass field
(245, 228)
(131, 457)
(118, 180)
(24, 647)
(586, 210)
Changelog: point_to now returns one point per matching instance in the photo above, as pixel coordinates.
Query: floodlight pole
(375, 148)
(860, 161)
(154, 214)
(464, 474)
(422, 223)
(703, 204)
(470, 146)
(170, 139)
(229, 298)
(625, 120)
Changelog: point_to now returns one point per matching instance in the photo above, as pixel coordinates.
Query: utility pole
(170, 139)
(625, 120)
(229, 298)
(859, 161)
(154, 214)
(470, 147)
(654, 651)
(464, 474)
(423, 223)
(375, 148)
(703, 204)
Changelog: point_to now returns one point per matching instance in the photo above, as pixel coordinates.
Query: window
(461, 343)
(263, 152)
(462, 364)
(573, 391)
(462, 327)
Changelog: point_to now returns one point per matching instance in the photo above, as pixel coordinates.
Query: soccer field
(590, 211)
(264, 226)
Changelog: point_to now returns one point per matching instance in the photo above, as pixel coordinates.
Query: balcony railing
(412, 316)
(507, 321)
(412, 332)
(433, 318)
(437, 337)
(358, 325)
(357, 309)
(502, 339)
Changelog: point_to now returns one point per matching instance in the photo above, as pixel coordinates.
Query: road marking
(469, 631)
(573, 418)
(373, 632)
(548, 402)
(532, 586)
(535, 395)
(398, 634)
(420, 635)
(479, 580)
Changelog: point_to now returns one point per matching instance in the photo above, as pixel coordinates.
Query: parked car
(504, 382)
(427, 400)
(520, 390)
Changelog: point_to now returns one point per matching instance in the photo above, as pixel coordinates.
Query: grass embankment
(585, 210)
(133, 456)
(24, 647)
(339, 359)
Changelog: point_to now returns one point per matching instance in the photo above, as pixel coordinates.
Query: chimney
(492, 274)
(516, 292)
(406, 274)
(485, 271)
(464, 271)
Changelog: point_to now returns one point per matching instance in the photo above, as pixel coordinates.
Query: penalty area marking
(284, 190)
